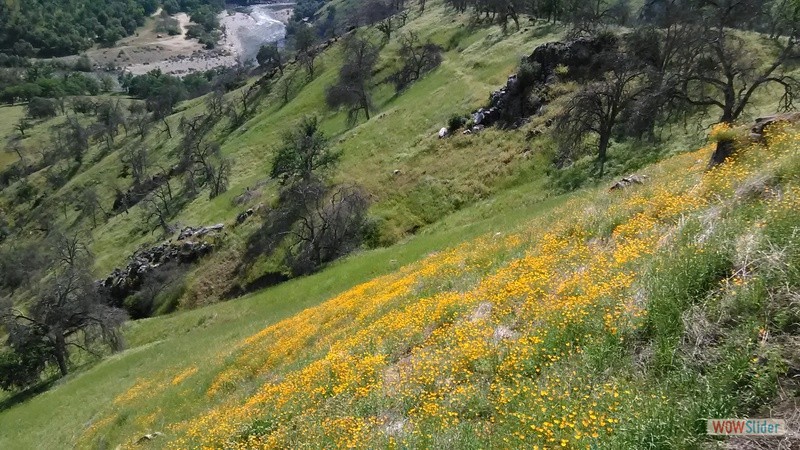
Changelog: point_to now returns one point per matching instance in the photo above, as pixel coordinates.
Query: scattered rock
(396, 172)
(395, 428)
(762, 123)
(244, 216)
(149, 437)
(625, 182)
(503, 332)
(190, 232)
(482, 312)
(474, 130)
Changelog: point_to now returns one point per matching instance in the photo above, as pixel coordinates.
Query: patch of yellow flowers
(484, 342)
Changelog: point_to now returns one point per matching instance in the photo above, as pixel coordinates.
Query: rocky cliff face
(525, 93)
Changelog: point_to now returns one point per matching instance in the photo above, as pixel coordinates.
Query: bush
(722, 132)
(83, 64)
(42, 108)
(22, 367)
(455, 123)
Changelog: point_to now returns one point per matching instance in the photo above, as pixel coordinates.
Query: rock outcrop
(762, 123)
(188, 247)
(583, 57)
(511, 105)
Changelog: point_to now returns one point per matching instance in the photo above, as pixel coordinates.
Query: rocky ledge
(190, 245)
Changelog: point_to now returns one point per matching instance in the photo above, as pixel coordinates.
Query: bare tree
(162, 104)
(305, 43)
(67, 312)
(15, 146)
(596, 108)
(72, 139)
(138, 159)
(726, 75)
(330, 224)
(158, 207)
(140, 119)
(110, 116)
(215, 103)
(308, 59)
(218, 172)
(721, 71)
(378, 13)
(352, 89)
(418, 58)
(70, 249)
(243, 104)
(210, 168)
(90, 204)
(286, 85)
(22, 125)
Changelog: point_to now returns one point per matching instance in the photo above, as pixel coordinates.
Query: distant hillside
(46, 28)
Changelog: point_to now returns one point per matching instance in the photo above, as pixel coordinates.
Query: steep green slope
(435, 176)
(155, 345)
(592, 318)
(600, 318)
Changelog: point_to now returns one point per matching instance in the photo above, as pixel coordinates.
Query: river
(245, 30)
(248, 28)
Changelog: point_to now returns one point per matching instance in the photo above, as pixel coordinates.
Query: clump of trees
(162, 92)
(688, 58)
(45, 28)
(317, 220)
(42, 81)
(270, 57)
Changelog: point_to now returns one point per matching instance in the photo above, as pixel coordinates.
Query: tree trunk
(365, 104)
(61, 353)
(721, 153)
(602, 150)
(168, 129)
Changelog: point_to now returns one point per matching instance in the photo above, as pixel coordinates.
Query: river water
(248, 28)
(245, 30)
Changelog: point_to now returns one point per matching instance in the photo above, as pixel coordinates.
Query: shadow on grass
(27, 394)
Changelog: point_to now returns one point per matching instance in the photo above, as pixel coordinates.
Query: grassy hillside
(600, 318)
(435, 177)
(494, 310)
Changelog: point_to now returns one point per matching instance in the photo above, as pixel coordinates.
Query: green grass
(447, 192)
(665, 394)
(157, 344)
(9, 116)
(401, 136)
